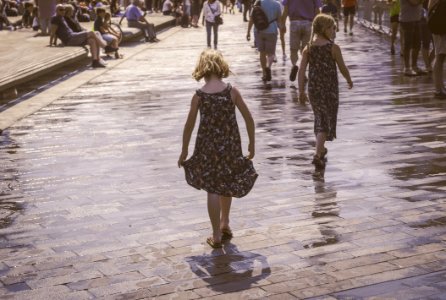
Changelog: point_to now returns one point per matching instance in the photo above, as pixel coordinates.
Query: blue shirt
(133, 13)
(273, 11)
(302, 9)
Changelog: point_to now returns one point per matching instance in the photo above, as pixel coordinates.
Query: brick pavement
(93, 205)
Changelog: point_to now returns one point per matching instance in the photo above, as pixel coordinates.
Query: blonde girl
(217, 164)
(322, 55)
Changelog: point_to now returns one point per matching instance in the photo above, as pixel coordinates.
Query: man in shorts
(440, 56)
(301, 15)
(61, 30)
(410, 18)
(349, 11)
(266, 39)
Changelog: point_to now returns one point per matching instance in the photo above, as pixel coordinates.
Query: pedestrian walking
(440, 50)
(321, 56)
(394, 12)
(349, 10)
(211, 14)
(217, 165)
(265, 17)
(410, 17)
(301, 14)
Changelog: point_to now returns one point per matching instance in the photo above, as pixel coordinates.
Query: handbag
(218, 19)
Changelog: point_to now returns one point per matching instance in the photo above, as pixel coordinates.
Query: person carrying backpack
(265, 17)
(437, 25)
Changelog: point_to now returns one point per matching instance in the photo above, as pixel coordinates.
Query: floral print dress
(217, 164)
(323, 89)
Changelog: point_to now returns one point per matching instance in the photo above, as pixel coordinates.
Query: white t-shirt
(167, 5)
(208, 15)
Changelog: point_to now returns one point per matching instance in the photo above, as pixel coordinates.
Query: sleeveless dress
(323, 89)
(217, 164)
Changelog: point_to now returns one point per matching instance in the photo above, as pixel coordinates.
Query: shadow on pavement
(228, 270)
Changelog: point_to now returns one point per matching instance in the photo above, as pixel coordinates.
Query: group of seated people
(64, 25)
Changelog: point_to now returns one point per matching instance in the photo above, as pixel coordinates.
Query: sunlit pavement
(93, 205)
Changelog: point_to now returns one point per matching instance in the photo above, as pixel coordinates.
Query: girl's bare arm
(189, 128)
(301, 75)
(337, 55)
(250, 126)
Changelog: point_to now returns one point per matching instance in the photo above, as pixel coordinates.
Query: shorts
(78, 39)
(412, 35)
(350, 10)
(439, 43)
(300, 33)
(108, 37)
(394, 19)
(266, 42)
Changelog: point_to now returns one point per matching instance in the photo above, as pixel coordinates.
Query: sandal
(213, 244)
(318, 162)
(226, 234)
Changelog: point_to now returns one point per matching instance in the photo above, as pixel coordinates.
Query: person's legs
(215, 27)
(416, 45)
(94, 49)
(225, 205)
(351, 18)
(320, 143)
(408, 41)
(394, 29)
(438, 73)
(214, 210)
(208, 33)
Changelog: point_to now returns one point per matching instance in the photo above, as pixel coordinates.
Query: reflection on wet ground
(246, 269)
(104, 210)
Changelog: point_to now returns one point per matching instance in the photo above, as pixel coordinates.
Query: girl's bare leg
(214, 210)
(225, 204)
(320, 143)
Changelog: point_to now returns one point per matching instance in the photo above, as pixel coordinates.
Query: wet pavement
(92, 204)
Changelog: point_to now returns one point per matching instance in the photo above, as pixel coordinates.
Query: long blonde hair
(211, 62)
(320, 25)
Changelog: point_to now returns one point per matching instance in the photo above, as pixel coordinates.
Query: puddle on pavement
(10, 199)
(441, 221)
(325, 205)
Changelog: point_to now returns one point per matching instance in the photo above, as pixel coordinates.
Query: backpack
(436, 19)
(259, 17)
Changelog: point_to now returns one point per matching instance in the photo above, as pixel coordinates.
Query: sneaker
(97, 64)
(409, 72)
(351, 33)
(268, 74)
(419, 71)
(284, 57)
(440, 95)
(293, 73)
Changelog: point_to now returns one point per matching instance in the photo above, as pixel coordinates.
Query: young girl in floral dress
(322, 56)
(217, 164)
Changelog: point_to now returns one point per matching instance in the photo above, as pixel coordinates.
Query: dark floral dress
(217, 164)
(323, 89)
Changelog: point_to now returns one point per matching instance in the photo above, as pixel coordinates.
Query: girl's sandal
(213, 244)
(118, 56)
(226, 234)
